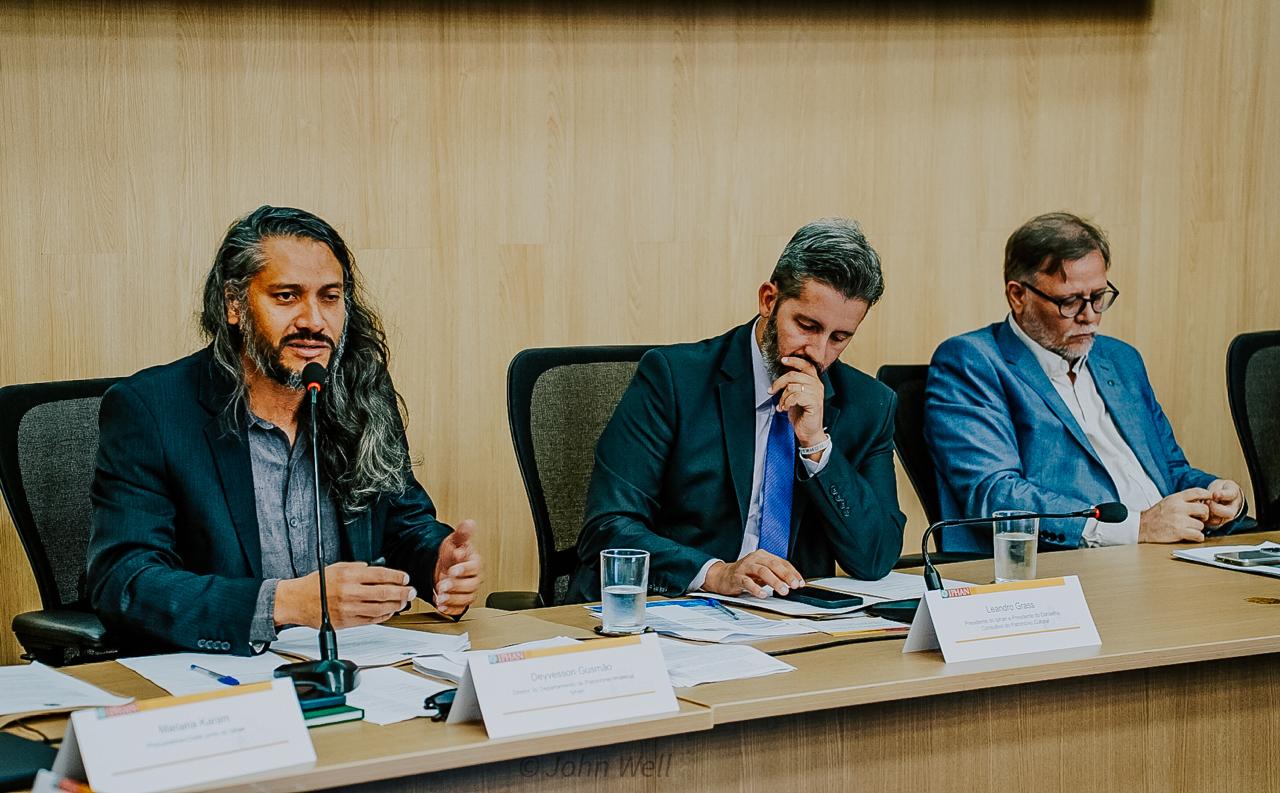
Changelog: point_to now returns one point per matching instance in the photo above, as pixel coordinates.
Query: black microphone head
(1111, 512)
(313, 376)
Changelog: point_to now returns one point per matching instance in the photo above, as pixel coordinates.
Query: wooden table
(1183, 695)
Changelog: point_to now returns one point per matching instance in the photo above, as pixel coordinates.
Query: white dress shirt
(764, 416)
(1136, 490)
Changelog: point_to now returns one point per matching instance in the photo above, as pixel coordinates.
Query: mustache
(308, 336)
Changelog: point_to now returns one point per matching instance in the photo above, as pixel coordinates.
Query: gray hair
(1045, 242)
(832, 251)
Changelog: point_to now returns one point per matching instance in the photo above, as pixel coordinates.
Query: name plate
(995, 620)
(171, 742)
(538, 689)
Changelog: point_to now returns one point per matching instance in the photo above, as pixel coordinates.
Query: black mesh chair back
(559, 400)
(48, 442)
(1253, 391)
(908, 381)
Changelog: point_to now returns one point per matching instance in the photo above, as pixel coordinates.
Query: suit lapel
(1121, 405)
(230, 452)
(229, 448)
(1025, 365)
(737, 415)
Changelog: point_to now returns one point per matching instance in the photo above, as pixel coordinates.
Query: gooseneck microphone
(1110, 512)
(330, 673)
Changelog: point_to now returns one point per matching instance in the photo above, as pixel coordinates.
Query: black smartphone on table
(822, 598)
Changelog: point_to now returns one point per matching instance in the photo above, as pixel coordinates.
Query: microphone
(1110, 512)
(329, 673)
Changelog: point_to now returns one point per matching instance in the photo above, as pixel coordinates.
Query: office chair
(1253, 391)
(559, 400)
(908, 381)
(48, 442)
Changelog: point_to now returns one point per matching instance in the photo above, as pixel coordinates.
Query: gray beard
(1041, 335)
(268, 359)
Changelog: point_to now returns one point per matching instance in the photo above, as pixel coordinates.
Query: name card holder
(172, 742)
(996, 620)
(526, 691)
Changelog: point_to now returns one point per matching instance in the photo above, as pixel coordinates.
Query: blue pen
(226, 680)
(718, 606)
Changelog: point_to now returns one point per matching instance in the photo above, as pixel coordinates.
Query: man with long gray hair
(204, 494)
(746, 462)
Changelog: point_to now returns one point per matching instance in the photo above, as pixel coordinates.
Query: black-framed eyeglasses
(440, 703)
(1070, 307)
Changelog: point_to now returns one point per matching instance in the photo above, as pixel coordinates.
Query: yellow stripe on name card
(138, 706)
(1008, 586)
(547, 652)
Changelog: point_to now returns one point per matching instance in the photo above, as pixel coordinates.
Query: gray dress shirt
(283, 483)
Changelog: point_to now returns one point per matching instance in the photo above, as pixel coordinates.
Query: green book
(335, 715)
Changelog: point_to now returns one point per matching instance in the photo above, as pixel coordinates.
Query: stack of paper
(371, 645)
(1205, 556)
(35, 688)
(692, 664)
(450, 666)
(389, 695)
(174, 673)
(894, 586)
(695, 619)
(859, 625)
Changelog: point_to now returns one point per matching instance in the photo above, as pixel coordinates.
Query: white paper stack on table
(371, 645)
(1205, 556)
(697, 620)
(451, 666)
(694, 664)
(35, 688)
(389, 695)
(174, 674)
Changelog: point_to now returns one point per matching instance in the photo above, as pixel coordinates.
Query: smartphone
(896, 610)
(1254, 558)
(822, 598)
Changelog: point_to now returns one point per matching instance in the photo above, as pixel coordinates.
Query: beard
(772, 356)
(268, 358)
(1044, 336)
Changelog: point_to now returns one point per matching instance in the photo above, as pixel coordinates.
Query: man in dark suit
(746, 462)
(204, 495)
(1043, 413)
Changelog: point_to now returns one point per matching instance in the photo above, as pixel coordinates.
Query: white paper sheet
(1205, 556)
(894, 586)
(36, 687)
(371, 645)
(693, 619)
(787, 608)
(174, 674)
(450, 666)
(859, 624)
(389, 695)
(694, 664)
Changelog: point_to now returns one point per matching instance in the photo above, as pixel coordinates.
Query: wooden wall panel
(516, 175)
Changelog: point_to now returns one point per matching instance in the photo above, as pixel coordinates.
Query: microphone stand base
(333, 675)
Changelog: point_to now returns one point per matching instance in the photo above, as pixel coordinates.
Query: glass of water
(1015, 546)
(624, 581)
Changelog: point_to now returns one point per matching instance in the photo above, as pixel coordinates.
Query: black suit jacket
(174, 557)
(673, 471)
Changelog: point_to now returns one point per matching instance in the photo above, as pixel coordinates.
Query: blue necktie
(775, 489)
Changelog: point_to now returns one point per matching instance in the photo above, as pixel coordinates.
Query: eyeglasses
(1070, 307)
(440, 703)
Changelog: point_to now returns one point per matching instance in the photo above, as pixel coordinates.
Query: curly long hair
(361, 423)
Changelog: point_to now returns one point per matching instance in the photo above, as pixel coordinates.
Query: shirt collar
(759, 371)
(1053, 364)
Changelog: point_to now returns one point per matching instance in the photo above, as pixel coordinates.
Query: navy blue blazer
(174, 557)
(673, 471)
(1002, 438)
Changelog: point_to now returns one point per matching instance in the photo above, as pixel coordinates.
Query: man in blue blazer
(204, 494)
(1041, 413)
(746, 462)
